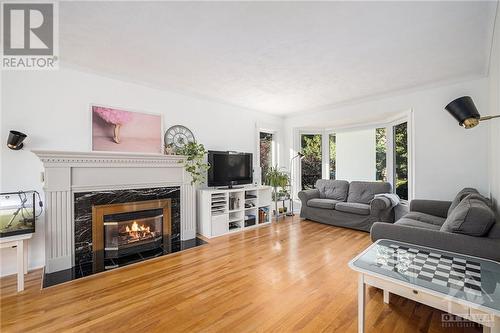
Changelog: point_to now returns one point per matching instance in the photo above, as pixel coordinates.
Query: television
(229, 168)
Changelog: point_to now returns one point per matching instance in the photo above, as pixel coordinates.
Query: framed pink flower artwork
(125, 131)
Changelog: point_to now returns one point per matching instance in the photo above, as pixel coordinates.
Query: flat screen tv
(229, 168)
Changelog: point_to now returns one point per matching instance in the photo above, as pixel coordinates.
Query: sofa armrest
(482, 247)
(431, 207)
(381, 209)
(380, 203)
(307, 195)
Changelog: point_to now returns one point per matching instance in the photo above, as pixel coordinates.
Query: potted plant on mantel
(279, 180)
(195, 161)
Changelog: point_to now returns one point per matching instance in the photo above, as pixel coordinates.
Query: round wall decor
(177, 136)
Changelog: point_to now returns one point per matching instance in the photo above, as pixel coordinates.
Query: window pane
(266, 153)
(355, 155)
(332, 156)
(401, 160)
(380, 154)
(311, 163)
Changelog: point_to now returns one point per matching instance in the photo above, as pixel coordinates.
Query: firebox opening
(133, 232)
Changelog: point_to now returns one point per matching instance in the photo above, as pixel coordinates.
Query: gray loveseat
(465, 225)
(352, 205)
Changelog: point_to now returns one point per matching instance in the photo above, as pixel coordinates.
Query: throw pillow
(471, 217)
(460, 195)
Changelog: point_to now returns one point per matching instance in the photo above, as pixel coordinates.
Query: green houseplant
(279, 180)
(195, 161)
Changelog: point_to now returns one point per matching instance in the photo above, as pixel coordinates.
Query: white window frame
(325, 152)
(327, 136)
(406, 116)
(275, 158)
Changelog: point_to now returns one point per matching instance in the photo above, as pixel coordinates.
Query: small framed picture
(119, 130)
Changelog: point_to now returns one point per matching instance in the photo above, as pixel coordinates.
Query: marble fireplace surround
(67, 173)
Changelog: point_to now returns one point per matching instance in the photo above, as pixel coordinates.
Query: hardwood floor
(290, 276)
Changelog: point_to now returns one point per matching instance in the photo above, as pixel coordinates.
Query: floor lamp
(299, 156)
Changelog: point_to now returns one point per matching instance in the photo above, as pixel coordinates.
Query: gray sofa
(465, 225)
(352, 205)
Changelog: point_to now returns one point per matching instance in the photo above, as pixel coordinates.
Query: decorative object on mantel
(15, 140)
(125, 131)
(195, 161)
(18, 212)
(465, 112)
(178, 136)
(169, 150)
(180, 140)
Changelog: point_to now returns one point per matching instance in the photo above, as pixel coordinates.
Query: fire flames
(137, 231)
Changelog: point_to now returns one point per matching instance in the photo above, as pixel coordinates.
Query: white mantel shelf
(69, 172)
(90, 159)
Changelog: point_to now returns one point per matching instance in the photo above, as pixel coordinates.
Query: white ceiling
(279, 57)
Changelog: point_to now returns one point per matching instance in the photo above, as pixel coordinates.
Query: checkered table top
(440, 269)
(466, 278)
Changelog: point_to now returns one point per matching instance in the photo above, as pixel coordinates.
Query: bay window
(378, 153)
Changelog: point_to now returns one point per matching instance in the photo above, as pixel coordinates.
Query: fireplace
(102, 239)
(120, 231)
(74, 182)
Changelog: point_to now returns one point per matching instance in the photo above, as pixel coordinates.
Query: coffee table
(463, 286)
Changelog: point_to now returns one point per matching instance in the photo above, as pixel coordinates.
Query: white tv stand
(223, 211)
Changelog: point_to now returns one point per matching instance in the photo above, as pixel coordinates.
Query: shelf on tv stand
(214, 223)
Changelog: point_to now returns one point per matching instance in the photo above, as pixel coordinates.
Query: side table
(20, 242)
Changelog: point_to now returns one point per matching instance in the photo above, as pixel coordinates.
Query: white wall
(355, 155)
(447, 157)
(53, 109)
(495, 109)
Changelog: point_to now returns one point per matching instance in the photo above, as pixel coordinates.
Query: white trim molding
(67, 173)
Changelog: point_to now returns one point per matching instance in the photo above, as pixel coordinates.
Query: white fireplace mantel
(67, 173)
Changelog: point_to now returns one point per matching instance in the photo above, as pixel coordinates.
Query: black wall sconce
(15, 140)
(465, 112)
